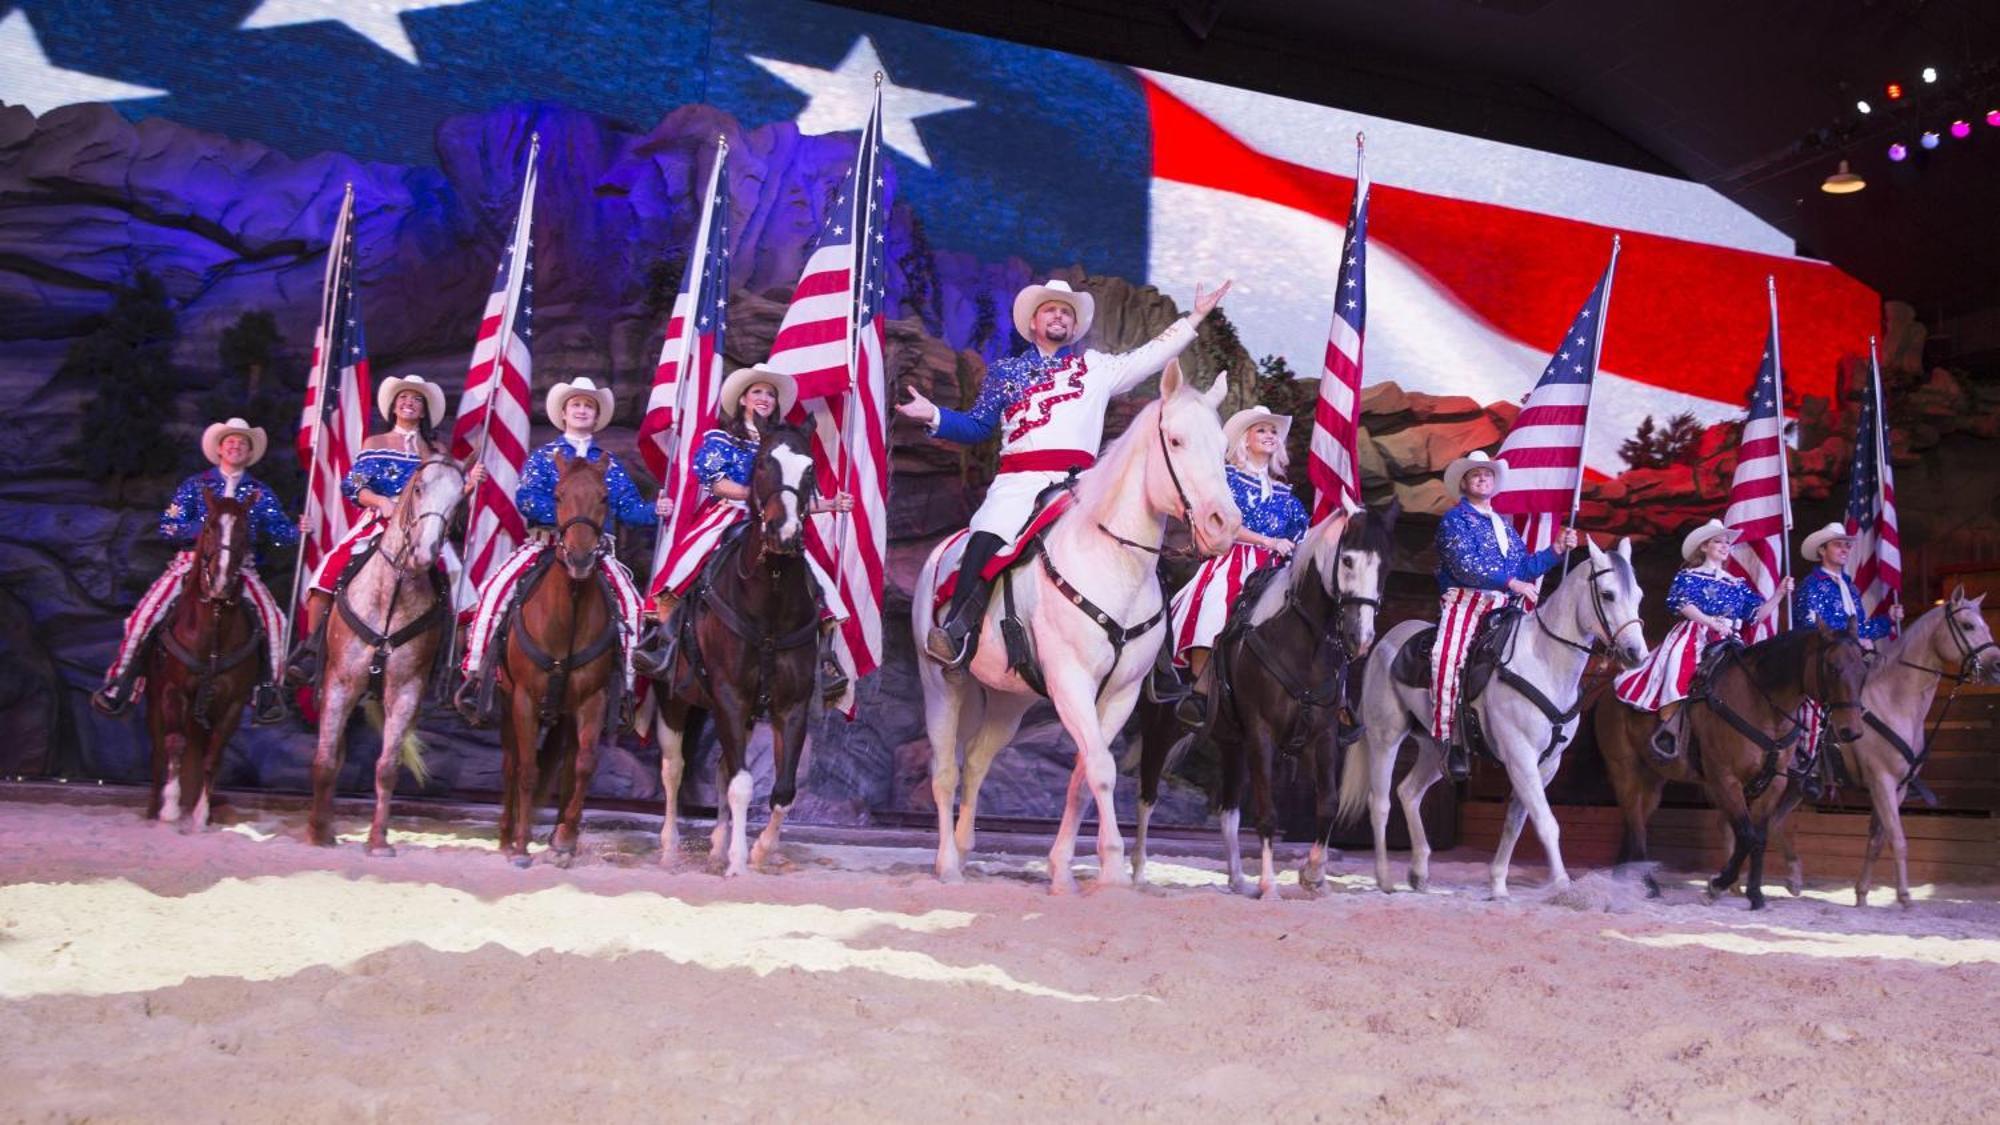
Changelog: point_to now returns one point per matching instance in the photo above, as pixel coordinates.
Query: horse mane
(1770, 660)
(1095, 484)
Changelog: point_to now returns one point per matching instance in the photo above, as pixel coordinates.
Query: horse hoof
(320, 838)
(1267, 892)
(382, 851)
(1114, 875)
(1795, 887)
(1419, 883)
(1757, 902)
(1906, 902)
(1064, 884)
(950, 873)
(562, 860)
(1240, 887)
(1652, 887)
(520, 860)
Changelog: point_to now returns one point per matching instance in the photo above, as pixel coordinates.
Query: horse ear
(1171, 379)
(1596, 552)
(1958, 594)
(1625, 548)
(1825, 630)
(1975, 603)
(1216, 392)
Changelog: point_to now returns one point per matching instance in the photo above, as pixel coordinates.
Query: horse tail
(409, 752)
(1355, 760)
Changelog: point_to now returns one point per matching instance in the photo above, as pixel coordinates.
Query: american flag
(1760, 503)
(1877, 559)
(680, 410)
(492, 421)
(335, 419)
(832, 341)
(1335, 466)
(1544, 449)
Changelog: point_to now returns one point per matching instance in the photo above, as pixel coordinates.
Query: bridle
(1610, 635)
(1187, 505)
(803, 492)
(1822, 669)
(408, 520)
(226, 596)
(1968, 653)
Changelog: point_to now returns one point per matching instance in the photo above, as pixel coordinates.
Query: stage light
(1993, 118)
(1894, 90)
(1863, 106)
(1897, 152)
(1961, 129)
(1929, 139)
(1930, 74)
(1842, 182)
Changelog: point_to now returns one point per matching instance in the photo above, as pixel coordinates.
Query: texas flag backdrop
(1480, 251)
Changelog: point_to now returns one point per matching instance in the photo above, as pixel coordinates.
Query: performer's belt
(1047, 461)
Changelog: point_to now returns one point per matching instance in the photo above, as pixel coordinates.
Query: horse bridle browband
(1968, 653)
(1597, 607)
(1187, 505)
(408, 522)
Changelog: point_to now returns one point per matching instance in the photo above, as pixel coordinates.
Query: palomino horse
(561, 667)
(747, 649)
(1528, 713)
(1949, 642)
(1281, 677)
(200, 673)
(387, 621)
(1093, 611)
(1744, 731)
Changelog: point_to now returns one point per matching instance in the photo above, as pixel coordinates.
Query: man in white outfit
(1047, 403)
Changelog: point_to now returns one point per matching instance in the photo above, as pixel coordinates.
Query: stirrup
(303, 666)
(1192, 710)
(832, 681)
(467, 703)
(267, 706)
(1458, 759)
(105, 701)
(943, 648)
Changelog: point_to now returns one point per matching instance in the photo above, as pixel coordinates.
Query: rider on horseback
(1828, 596)
(580, 410)
(414, 407)
(1481, 561)
(231, 448)
(1273, 523)
(751, 399)
(1048, 404)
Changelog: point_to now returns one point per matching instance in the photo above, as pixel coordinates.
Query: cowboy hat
(561, 393)
(1477, 459)
(1240, 422)
(1713, 529)
(1831, 533)
(1035, 296)
(743, 378)
(211, 440)
(385, 396)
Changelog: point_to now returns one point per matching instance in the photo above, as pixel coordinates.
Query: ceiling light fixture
(1930, 74)
(1993, 118)
(1897, 152)
(1863, 106)
(1961, 129)
(1894, 90)
(1842, 182)
(1929, 139)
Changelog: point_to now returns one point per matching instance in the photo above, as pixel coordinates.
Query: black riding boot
(832, 678)
(950, 642)
(113, 698)
(267, 706)
(1458, 756)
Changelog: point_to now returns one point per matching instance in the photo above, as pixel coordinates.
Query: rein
(1187, 506)
(1968, 668)
(207, 668)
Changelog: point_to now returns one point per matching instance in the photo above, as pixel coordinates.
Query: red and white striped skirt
(165, 591)
(356, 540)
(687, 557)
(1669, 670)
(1459, 613)
(1201, 607)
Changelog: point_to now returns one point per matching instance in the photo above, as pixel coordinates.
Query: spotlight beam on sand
(1923, 949)
(117, 937)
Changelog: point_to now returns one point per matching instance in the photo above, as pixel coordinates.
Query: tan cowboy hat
(1035, 296)
(385, 396)
(1830, 533)
(1713, 529)
(1477, 459)
(561, 393)
(743, 378)
(1241, 421)
(211, 440)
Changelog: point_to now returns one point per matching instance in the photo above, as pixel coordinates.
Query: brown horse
(388, 621)
(561, 668)
(200, 673)
(747, 649)
(1745, 732)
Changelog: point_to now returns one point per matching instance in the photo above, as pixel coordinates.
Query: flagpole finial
(878, 80)
(1617, 240)
(535, 137)
(1360, 140)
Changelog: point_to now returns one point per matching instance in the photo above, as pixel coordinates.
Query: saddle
(1412, 664)
(1050, 504)
(559, 666)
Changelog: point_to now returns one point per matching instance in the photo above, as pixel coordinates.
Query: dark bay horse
(388, 620)
(561, 669)
(746, 649)
(1281, 677)
(1745, 732)
(199, 675)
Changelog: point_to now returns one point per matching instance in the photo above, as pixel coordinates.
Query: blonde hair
(1239, 451)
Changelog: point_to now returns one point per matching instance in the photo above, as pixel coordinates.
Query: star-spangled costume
(1201, 607)
(386, 473)
(536, 499)
(1478, 554)
(180, 524)
(1668, 670)
(724, 456)
(1834, 600)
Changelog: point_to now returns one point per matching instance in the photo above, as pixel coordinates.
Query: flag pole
(1596, 363)
(336, 250)
(499, 360)
(683, 377)
(1880, 438)
(851, 397)
(1784, 452)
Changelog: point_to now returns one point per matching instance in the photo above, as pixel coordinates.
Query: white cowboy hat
(1830, 533)
(743, 378)
(1713, 529)
(1242, 420)
(1477, 459)
(561, 393)
(385, 396)
(1035, 296)
(211, 440)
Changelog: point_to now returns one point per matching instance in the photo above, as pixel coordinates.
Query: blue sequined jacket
(1818, 600)
(270, 528)
(1718, 595)
(724, 456)
(1469, 555)
(384, 472)
(536, 496)
(1278, 515)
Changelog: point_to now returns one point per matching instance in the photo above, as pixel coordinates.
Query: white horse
(1168, 464)
(1592, 605)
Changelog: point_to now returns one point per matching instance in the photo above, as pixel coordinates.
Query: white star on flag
(839, 99)
(378, 21)
(30, 79)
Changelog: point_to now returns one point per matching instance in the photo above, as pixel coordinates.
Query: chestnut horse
(199, 675)
(389, 617)
(746, 649)
(561, 668)
(1744, 733)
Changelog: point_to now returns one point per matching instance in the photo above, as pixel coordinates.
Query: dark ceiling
(1754, 98)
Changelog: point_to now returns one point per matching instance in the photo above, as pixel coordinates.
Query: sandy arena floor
(240, 975)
